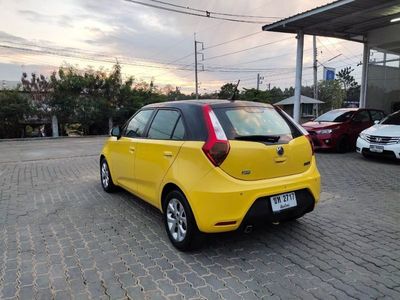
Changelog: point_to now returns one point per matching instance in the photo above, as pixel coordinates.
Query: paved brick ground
(62, 237)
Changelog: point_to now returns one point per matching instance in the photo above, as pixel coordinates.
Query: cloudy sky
(153, 44)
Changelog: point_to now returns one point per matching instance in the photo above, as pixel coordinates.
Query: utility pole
(259, 81)
(196, 78)
(315, 67)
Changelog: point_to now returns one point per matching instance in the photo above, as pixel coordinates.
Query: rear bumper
(390, 151)
(221, 203)
(261, 210)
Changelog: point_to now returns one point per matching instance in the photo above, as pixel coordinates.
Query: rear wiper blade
(259, 138)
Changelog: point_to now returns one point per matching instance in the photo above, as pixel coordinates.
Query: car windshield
(393, 119)
(262, 124)
(335, 116)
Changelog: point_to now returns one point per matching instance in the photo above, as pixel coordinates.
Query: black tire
(105, 177)
(184, 236)
(343, 144)
(366, 156)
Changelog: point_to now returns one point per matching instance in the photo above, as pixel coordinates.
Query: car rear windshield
(393, 119)
(335, 116)
(263, 124)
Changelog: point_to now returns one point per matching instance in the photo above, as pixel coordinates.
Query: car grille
(384, 140)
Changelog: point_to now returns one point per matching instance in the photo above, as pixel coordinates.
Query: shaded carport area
(376, 24)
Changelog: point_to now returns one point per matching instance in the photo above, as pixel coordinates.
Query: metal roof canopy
(303, 100)
(344, 19)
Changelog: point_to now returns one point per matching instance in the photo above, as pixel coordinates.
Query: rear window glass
(163, 124)
(376, 115)
(335, 116)
(254, 121)
(393, 119)
(362, 116)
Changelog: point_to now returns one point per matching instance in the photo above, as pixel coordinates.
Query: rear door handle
(132, 149)
(168, 154)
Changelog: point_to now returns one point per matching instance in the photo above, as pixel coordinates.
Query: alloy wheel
(176, 219)
(105, 175)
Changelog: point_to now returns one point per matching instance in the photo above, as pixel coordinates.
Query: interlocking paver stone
(62, 237)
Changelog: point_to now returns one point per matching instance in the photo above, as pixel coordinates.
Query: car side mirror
(376, 122)
(116, 131)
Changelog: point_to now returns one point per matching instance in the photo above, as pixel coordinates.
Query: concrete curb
(51, 138)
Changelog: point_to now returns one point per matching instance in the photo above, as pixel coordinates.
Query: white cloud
(154, 23)
(119, 28)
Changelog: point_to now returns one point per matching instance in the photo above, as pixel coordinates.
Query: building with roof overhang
(374, 23)
(308, 107)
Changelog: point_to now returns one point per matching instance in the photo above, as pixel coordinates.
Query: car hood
(384, 130)
(320, 125)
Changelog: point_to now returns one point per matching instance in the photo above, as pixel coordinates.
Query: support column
(299, 74)
(110, 124)
(364, 77)
(54, 125)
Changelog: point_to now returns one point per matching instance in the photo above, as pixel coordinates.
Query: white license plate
(283, 201)
(376, 148)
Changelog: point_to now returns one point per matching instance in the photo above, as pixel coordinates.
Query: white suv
(382, 139)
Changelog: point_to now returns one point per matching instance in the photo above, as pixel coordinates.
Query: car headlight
(363, 136)
(324, 131)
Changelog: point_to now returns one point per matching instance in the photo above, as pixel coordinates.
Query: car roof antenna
(235, 91)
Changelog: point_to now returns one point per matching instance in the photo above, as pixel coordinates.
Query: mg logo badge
(280, 151)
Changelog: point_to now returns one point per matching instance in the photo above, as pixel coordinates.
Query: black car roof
(211, 102)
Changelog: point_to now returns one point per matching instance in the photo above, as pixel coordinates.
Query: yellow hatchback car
(213, 165)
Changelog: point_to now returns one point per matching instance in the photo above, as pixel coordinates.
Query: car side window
(163, 124)
(376, 115)
(362, 116)
(137, 124)
(179, 132)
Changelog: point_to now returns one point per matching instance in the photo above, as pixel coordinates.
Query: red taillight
(216, 148)
(311, 143)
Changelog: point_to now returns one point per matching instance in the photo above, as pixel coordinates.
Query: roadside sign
(329, 73)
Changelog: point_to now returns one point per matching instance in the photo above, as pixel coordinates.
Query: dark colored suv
(338, 129)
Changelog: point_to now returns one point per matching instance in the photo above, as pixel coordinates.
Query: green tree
(67, 86)
(346, 79)
(38, 88)
(255, 95)
(14, 109)
(350, 85)
(330, 92)
(227, 91)
(276, 94)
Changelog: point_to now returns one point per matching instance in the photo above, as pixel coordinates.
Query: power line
(49, 52)
(194, 14)
(247, 49)
(233, 40)
(75, 51)
(174, 61)
(213, 12)
(140, 64)
(267, 58)
(329, 50)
